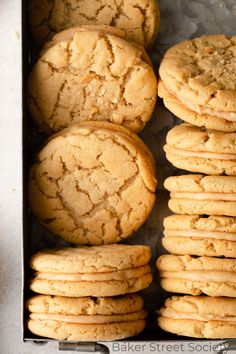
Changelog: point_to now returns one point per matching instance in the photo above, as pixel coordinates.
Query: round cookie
(199, 194)
(199, 317)
(107, 270)
(86, 319)
(201, 236)
(196, 118)
(94, 75)
(201, 74)
(196, 276)
(93, 183)
(200, 150)
(139, 19)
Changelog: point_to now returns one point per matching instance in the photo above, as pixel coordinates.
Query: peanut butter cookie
(213, 236)
(203, 195)
(199, 317)
(199, 150)
(198, 275)
(139, 18)
(87, 318)
(93, 183)
(92, 75)
(107, 270)
(198, 81)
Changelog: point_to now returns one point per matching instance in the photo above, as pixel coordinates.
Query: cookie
(199, 317)
(139, 19)
(196, 118)
(94, 75)
(196, 276)
(200, 73)
(199, 194)
(199, 150)
(93, 183)
(107, 270)
(86, 319)
(68, 35)
(201, 236)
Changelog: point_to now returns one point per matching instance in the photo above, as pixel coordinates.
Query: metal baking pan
(153, 339)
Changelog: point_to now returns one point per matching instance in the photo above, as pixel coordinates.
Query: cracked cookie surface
(201, 236)
(221, 224)
(86, 318)
(203, 195)
(94, 75)
(201, 73)
(86, 332)
(196, 276)
(200, 317)
(198, 118)
(199, 150)
(200, 183)
(139, 18)
(173, 263)
(85, 305)
(198, 329)
(93, 183)
(106, 258)
(107, 270)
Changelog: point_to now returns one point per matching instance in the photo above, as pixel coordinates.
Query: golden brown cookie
(199, 150)
(199, 194)
(200, 236)
(201, 73)
(139, 19)
(198, 82)
(198, 118)
(94, 75)
(86, 318)
(93, 183)
(107, 270)
(60, 305)
(199, 317)
(196, 276)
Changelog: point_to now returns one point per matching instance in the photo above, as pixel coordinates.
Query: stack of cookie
(93, 183)
(85, 292)
(198, 84)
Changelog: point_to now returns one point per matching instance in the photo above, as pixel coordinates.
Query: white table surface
(11, 182)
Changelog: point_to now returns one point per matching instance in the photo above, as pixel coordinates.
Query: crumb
(16, 34)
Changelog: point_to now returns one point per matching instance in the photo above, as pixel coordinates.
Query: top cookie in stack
(198, 82)
(92, 74)
(139, 18)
